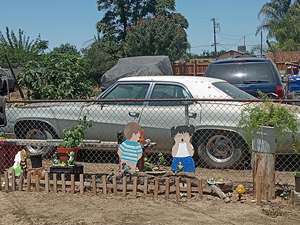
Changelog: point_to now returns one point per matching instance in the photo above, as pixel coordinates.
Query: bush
(56, 76)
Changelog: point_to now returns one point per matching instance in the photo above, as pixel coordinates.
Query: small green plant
(72, 137)
(297, 174)
(269, 114)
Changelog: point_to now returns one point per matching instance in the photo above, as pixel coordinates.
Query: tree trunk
(264, 176)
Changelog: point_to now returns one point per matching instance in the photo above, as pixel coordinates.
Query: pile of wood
(168, 186)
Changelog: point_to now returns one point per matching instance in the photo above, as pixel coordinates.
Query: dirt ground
(22, 208)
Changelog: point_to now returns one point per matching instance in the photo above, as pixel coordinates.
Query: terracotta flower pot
(63, 152)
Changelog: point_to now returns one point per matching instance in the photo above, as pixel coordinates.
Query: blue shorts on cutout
(187, 162)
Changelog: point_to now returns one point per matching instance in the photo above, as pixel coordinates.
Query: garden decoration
(71, 160)
(240, 190)
(20, 164)
(183, 150)
(130, 150)
(213, 184)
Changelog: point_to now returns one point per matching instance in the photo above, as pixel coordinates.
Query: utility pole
(244, 37)
(215, 36)
(261, 43)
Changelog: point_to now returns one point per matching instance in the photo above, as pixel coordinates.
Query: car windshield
(232, 91)
(239, 73)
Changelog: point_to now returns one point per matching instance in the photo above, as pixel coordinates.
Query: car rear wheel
(220, 149)
(38, 131)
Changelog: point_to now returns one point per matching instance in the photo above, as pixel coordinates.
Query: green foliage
(297, 174)
(119, 15)
(56, 76)
(281, 18)
(268, 114)
(66, 49)
(101, 56)
(74, 136)
(20, 48)
(158, 36)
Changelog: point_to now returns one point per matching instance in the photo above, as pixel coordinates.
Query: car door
(160, 116)
(109, 118)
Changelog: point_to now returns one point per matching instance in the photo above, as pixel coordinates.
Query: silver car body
(109, 119)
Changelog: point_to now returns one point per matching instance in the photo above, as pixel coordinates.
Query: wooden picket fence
(168, 186)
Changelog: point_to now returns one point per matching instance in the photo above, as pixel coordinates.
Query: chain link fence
(221, 146)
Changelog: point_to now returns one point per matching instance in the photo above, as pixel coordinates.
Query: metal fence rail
(219, 141)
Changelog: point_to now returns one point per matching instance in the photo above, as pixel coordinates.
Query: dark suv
(252, 75)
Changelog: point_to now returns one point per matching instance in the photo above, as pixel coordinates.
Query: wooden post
(167, 184)
(13, 180)
(264, 172)
(124, 185)
(156, 187)
(135, 186)
(6, 181)
(177, 188)
(200, 188)
(145, 186)
(81, 181)
(21, 178)
(37, 183)
(63, 183)
(46, 182)
(72, 183)
(189, 188)
(258, 184)
(115, 191)
(104, 184)
(28, 182)
(55, 183)
(94, 188)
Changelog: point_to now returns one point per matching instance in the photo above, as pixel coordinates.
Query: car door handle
(134, 114)
(193, 115)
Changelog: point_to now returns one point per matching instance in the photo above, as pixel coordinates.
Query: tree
(158, 36)
(119, 15)
(101, 56)
(288, 31)
(56, 76)
(66, 49)
(20, 48)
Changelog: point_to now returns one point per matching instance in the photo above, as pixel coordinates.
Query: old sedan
(158, 103)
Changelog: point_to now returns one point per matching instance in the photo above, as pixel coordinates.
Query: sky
(74, 21)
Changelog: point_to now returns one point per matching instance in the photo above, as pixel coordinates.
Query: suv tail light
(279, 91)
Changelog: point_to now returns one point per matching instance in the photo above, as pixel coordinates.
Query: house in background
(233, 54)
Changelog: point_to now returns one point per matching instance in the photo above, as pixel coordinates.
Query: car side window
(128, 91)
(168, 91)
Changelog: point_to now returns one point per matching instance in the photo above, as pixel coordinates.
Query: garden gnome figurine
(130, 150)
(183, 150)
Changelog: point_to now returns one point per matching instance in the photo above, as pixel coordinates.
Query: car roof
(188, 80)
(241, 60)
(199, 87)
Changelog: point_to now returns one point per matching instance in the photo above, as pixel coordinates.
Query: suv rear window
(232, 91)
(238, 73)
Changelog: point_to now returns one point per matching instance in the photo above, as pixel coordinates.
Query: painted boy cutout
(130, 151)
(183, 150)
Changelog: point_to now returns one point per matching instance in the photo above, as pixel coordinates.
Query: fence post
(13, 180)
(6, 181)
(263, 158)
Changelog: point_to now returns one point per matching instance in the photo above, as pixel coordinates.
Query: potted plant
(297, 181)
(267, 123)
(72, 138)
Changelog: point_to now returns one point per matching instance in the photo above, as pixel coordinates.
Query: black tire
(218, 149)
(36, 130)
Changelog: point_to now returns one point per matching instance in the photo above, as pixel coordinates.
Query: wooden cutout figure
(183, 150)
(130, 150)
